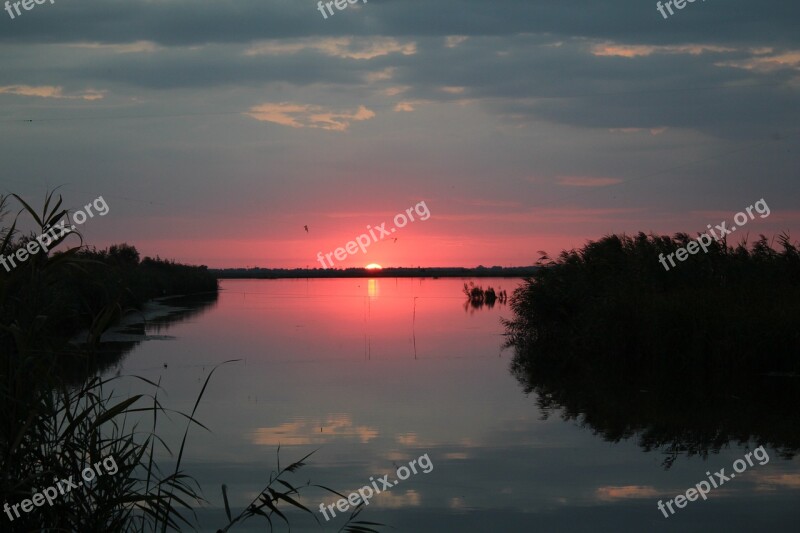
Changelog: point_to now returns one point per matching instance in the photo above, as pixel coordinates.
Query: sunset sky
(217, 130)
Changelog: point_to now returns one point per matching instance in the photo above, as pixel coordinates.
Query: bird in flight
(395, 239)
(306, 227)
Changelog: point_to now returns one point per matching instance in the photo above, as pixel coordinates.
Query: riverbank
(50, 299)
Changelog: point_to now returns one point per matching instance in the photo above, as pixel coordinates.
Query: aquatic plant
(611, 309)
(477, 297)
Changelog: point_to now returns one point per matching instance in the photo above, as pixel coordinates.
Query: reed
(610, 309)
(477, 296)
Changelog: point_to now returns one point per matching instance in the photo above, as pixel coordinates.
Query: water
(375, 373)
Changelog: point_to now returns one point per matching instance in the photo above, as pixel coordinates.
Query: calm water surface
(375, 373)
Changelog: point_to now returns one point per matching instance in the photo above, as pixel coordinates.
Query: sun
(373, 266)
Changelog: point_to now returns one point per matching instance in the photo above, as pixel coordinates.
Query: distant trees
(47, 298)
(124, 253)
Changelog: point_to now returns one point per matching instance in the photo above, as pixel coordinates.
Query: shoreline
(132, 327)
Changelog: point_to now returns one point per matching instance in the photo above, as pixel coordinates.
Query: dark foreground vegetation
(84, 288)
(48, 298)
(58, 418)
(687, 359)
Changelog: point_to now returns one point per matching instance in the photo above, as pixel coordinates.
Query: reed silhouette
(612, 308)
(477, 296)
(688, 359)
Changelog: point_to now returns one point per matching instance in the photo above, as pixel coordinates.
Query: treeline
(71, 293)
(439, 272)
(50, 296)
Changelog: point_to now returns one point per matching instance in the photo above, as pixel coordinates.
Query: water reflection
(373, 288)
(305, 382)
(303, 431)
(120, 341)
(673, 417)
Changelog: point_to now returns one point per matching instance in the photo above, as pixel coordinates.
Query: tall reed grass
(611, 309)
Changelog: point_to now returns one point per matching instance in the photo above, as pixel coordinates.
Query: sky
(216, 131)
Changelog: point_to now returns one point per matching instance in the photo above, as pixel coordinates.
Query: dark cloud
(192, 22)
(518, 51)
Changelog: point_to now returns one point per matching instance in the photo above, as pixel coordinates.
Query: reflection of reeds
(677, 417)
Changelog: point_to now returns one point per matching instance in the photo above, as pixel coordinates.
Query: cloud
(585, 181)
(452, 41)
(50, 91)
(546, 215)
(409, 439)
(124, 48)
(652, 131)
(394, 91)
(381, 75)
(404, 107)
(482, 202)
(630, 51)
(342, 47)
(766, 63)
(204, 21)
(409, 105)
(453, 90)
(309, 116)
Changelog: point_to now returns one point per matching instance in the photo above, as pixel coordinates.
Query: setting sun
(373, 266)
